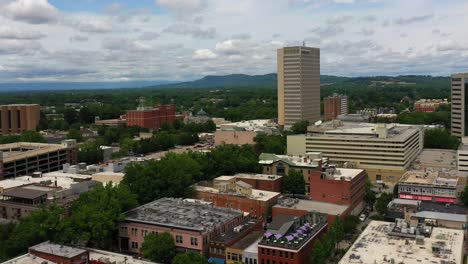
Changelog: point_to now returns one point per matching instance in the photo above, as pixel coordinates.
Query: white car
(362, 217)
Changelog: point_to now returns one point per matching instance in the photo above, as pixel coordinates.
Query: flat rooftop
(264, 177)
(248, 240)
(374, 245)
(186, 214)
(235, 232)
(311, 206)
(27, 259)
(57, 250)
(396, 132)
(428, 178)
(249, 125)
(440, 158)
(340, 174)
(64, 180)
(22, 150)
(309, 160)
(259, 195)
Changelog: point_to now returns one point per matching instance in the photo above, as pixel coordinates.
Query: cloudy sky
(112, 40)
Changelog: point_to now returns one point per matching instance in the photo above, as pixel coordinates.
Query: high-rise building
(335, 105)
(298, 85)
(17, 118)
(459, 99)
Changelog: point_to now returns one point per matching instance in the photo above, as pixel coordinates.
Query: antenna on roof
(303, 43)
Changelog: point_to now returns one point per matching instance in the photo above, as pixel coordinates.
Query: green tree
(95, 216)
(270, 144)
(172, 176)
(294, 183)
(190, 257)
(31, 136)
(300, 127)
(90, 153)
(464, 196)
(227, 160)
(159, 248)
(86, 116)
(39, 226)
(318, 253)
(350, 223)
(440, 139)
(369, 196)
(382, 203)
(128, 145)
(75, 134)
(70, 115)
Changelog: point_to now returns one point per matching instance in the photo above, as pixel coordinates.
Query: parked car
(362, 217)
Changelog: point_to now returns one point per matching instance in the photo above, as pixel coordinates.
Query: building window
(134, 231)
(178, 239)
(286, 254)
(194, 241)
(378, 177)
(281, 254)
(135, 245)
(292, 255)
(144, 233)
(280, 169)
(262, 251)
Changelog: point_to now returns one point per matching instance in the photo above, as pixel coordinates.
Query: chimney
(382, 130)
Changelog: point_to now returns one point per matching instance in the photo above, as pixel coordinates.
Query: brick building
(219, 244)
(152, 118)
(335, 105)
(265, 182)
(229, 193)
(339, 186)
(282, 164)
(17, 118)
(429, 105)
(290, 239)
(299, 208)
(51, 253)
(192, 224)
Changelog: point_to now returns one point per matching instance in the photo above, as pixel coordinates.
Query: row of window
(178, 238)
(273, 262)
(281, 254)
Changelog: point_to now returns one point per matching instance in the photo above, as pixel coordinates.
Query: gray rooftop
(312, 206)
(187, 214)
(58, 250)
(442, 216)
(25, 193)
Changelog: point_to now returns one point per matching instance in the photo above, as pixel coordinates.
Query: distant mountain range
(211, 81)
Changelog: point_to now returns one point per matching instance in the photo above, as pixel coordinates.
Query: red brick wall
(298, 212)
(254, 207)
(266, 185)
(58, 259)
(300, 257)
(152, 119)
(338, 191)
(332, 107)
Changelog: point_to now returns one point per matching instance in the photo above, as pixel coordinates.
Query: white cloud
(10, 33)
(199, 37)
(31, 11)
(343, 1)
(182, 6)
(204, 54)
(90, 25)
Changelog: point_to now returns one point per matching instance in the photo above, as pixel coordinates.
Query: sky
(177, 40)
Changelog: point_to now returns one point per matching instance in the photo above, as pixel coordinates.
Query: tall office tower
(17, 118)
(298, 85)
(335, 105)
(459, 101)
